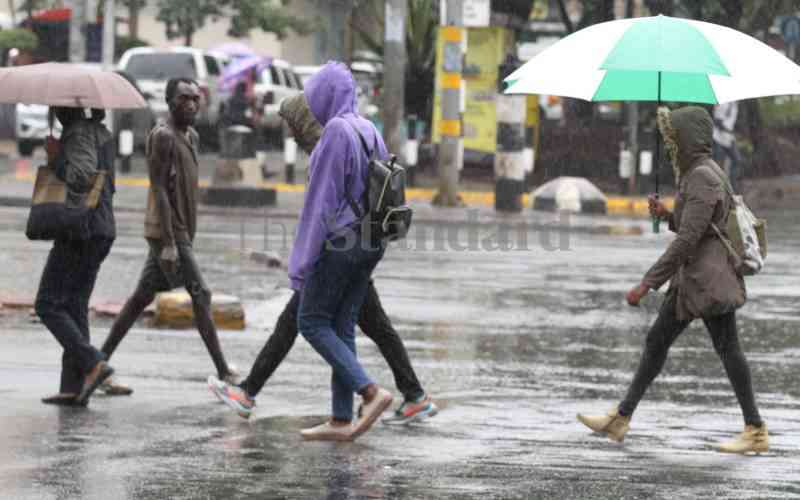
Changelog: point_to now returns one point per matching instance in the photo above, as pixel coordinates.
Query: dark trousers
(372, 320)
(62, 303)
(661, 336)
(154, 279)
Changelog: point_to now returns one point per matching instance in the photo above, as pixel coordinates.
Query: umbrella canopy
(238, 70)
(234, 49)
(658, 59)
(570, 194)
(70, 85)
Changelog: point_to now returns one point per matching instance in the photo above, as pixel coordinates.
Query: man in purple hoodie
(372, 320)
(330, 264)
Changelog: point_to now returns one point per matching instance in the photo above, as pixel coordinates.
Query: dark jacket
(86, 147)
(697, 263)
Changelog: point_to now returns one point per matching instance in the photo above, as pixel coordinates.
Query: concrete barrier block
(174, 310)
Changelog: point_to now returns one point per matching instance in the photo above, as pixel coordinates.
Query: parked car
(32, 126)
(152, 68)
(139, 121)
(305, 72)
(275, 83)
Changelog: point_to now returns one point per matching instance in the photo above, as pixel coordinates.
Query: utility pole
(77, 31)
(109, 24)
(109, 28)
(12, 11)
(451, 145)
(394, 69)
(133, 19)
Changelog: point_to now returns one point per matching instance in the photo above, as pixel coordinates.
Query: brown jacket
(697, 263)
(172, 163)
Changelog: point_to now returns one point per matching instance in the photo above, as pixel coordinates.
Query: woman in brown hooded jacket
(702, 280)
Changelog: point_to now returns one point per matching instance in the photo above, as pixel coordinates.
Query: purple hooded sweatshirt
(338, 161)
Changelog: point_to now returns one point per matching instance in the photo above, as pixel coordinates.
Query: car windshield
(161, 66)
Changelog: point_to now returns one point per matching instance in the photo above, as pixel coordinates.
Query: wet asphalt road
(511, 344)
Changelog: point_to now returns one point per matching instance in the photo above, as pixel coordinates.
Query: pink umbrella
(70, 85)
(238, 70)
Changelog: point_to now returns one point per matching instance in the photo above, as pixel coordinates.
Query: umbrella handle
(657, 162)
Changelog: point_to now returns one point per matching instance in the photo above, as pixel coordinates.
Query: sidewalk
(131, 196)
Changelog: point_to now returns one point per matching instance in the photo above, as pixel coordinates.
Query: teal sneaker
(413, 411)
(232, 396)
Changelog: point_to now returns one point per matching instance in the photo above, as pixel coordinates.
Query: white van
(152, 68)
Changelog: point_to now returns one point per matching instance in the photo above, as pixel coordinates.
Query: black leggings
(663, 333)
(372, 320)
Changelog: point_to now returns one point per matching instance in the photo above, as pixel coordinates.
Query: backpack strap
(723, 236)
(370, 157)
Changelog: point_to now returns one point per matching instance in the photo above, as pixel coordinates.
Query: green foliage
(267, 16)
(137, 3)
(750, 16)
(183, 18)
(422, 18)
(18, 38)
(32, 5)
(781, 111)
(124, 43)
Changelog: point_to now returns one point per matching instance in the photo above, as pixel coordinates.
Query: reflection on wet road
(510, 344)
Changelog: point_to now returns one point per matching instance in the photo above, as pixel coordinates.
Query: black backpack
(388, 218)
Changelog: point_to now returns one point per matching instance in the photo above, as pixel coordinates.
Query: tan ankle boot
(752, 439)
(612, 424)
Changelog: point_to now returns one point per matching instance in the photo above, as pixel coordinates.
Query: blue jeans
(330, 301)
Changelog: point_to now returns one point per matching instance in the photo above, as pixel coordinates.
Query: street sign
(790, 28)
(477, 13)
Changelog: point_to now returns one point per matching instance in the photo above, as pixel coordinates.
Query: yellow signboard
(486, 49)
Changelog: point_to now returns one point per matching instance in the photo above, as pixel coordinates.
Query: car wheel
(25, 148)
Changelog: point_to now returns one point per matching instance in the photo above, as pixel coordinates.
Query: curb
(623, 228)
(616, 205)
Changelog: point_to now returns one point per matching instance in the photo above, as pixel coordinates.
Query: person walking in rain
(171, 222)
(703, 281)
(62, 302)
(330, 265)
(725, 140)
(372, 318)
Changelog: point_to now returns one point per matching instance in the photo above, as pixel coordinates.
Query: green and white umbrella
(657, 59)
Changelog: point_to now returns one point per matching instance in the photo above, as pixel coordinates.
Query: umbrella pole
(656, 220)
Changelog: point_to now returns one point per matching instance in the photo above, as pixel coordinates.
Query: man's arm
(160, 167)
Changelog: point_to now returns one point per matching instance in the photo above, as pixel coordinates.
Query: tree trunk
(188, 37)
(133, 19)
(656, 7)
(12, 11)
